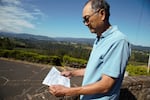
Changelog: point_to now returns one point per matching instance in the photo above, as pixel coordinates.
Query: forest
(63, 53)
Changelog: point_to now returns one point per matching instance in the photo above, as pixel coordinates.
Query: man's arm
(102, 86)
(79, 72)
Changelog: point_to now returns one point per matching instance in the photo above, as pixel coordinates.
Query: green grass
(137, 70)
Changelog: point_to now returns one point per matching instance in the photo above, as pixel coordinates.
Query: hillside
(88, 41)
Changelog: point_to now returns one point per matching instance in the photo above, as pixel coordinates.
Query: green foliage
(61, 53)
(139, 56)
(5, 43)
(74, 62)
(136, 70)
(30, 56)
(42, 51)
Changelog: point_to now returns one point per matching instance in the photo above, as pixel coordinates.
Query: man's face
(92, 19)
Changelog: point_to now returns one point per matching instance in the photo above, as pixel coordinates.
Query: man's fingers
(57, 90)
(52, 89)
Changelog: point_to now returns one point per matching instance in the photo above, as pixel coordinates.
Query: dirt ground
(20, 80)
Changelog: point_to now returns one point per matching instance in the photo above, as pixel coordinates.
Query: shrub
(31, 57)
(137, 70)
(74, 62)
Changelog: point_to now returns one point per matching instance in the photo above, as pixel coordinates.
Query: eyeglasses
(86, 18)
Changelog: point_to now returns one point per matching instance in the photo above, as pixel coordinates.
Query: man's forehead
(87, 9)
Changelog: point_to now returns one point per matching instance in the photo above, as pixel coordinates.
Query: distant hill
(72, 40)
(77, 40)
(25, 36)
(40, 37)
(140, 48)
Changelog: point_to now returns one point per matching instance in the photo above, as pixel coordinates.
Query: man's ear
(102, 14)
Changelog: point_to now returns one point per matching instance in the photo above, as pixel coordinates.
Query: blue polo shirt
(109, 56)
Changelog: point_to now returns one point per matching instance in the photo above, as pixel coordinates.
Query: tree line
(47, 52)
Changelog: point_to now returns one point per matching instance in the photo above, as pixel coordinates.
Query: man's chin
(92, 31)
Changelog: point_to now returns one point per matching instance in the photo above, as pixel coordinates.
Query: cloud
(14, 17)
(15, 2)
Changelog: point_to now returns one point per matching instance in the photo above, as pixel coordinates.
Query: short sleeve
(116, 59)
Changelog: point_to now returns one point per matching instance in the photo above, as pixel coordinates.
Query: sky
(63, 18)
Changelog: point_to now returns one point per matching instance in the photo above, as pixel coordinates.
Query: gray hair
(100, 4)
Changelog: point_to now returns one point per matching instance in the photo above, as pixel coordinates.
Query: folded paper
(54, 77)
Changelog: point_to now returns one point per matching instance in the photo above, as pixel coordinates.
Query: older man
(104, 72)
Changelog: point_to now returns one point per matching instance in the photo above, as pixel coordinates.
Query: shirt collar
(109, 31)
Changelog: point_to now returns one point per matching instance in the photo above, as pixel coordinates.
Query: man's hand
(67, 74)
(58, 90)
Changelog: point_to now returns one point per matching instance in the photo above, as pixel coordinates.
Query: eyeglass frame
(87, 17)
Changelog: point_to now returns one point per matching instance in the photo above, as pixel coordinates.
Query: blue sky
(63, 18)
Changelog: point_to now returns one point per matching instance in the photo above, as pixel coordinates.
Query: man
(106, 66)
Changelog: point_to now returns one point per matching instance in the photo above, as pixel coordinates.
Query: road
(21, 80)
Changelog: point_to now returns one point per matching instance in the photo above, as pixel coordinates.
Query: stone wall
(135, 88)
(23, 81)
